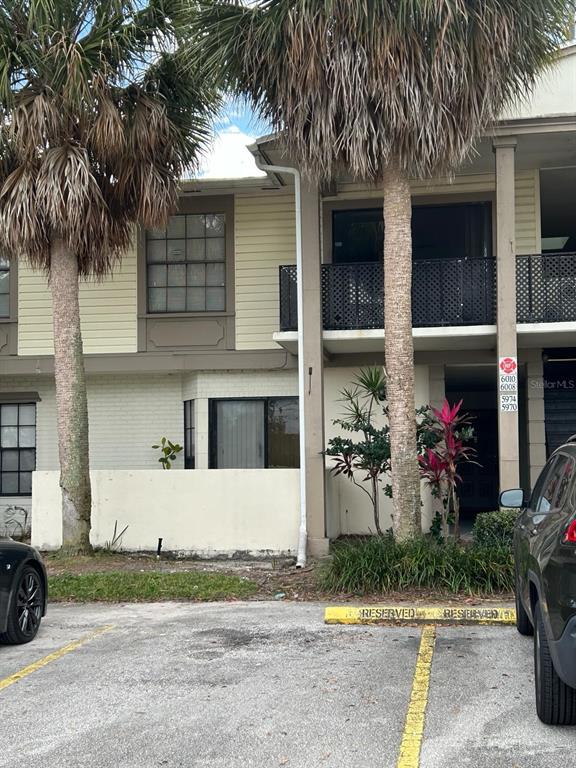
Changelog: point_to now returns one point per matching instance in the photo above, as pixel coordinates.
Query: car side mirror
(513, 498)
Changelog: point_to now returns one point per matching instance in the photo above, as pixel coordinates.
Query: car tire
(25, 608)
(523, 623)
(555, 701)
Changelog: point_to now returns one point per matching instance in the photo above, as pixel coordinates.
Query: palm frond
(101, 111)
(352, 83)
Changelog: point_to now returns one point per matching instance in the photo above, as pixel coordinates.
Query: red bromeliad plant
(439, 465)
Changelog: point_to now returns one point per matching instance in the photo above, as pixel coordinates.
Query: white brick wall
(128, 414)
(240, 384)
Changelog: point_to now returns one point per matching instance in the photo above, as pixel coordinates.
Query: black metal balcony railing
(546, 288)
(444, 292)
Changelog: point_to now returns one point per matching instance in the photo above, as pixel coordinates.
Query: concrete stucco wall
(348, 509)
(553, 94)
(212, 512)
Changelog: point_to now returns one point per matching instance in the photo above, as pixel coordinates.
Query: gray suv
(545, 559)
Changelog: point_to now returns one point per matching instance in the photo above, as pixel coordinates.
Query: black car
(545, 558)
(23, 592)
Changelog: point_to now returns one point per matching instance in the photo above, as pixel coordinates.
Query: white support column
(508, 447)
(312, 351)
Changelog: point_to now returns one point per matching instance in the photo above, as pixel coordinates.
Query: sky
(228, 157)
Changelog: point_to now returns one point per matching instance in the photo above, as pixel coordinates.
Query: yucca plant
(362, 452)
(384, 90)
(100, 112)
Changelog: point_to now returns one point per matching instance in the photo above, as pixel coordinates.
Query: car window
(555, 485)
(540, 483)
(564, 483)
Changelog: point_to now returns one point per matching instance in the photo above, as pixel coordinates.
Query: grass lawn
(138, 586)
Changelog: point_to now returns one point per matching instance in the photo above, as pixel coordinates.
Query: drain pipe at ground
(303, 531)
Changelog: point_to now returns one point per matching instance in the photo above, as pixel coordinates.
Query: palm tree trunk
(71, 400)
(399, 352)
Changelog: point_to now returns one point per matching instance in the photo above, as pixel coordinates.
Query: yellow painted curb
(409, 614)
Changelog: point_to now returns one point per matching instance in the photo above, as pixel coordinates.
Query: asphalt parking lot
(263, 684)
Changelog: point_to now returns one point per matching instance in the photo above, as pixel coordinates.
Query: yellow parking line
(414, 726)
(374, 614)
(35, 666)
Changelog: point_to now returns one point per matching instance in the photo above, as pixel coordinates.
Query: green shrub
(380, 564)
(495, 528)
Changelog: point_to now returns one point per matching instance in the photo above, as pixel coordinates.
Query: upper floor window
(186, 264)
(4, 287)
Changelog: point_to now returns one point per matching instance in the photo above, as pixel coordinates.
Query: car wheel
(555, 701)
(26, 607)
(523, 623)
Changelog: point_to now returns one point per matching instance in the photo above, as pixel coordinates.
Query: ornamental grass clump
(380, 564)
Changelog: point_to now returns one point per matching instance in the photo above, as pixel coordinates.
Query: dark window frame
(19, 471)
(5, 269)
(213, 425)
(189, 434)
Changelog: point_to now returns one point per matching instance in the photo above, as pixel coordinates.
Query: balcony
(445, 292)
(546, 288)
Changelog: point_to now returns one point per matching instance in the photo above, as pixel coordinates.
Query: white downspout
(303, 531)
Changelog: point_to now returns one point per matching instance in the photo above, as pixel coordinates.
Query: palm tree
(385, 90)
(100, 112)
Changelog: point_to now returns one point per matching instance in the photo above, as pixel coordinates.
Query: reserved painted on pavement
(413, 613)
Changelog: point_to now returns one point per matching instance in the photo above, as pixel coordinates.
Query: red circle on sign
(507, 365)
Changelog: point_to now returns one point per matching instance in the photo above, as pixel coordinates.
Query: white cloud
(228, 157)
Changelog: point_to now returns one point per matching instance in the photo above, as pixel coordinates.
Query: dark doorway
(476, 387)
(557, 190)
(559, 396)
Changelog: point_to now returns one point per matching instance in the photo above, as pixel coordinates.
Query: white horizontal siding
(108, 311)
(459, 185)
(528, 238)
(265, 238)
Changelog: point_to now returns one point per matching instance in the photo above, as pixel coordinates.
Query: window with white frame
(4, 287)
(17, 448)
(186, 264)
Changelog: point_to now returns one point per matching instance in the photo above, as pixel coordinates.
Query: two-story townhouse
(195, 337)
